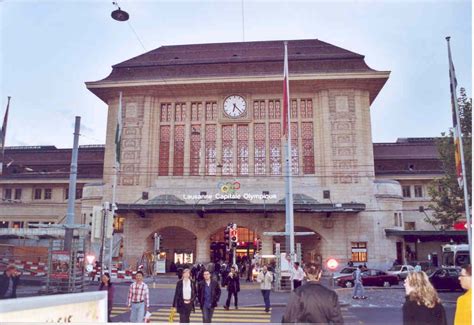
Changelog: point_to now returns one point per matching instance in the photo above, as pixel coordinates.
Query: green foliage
(446, 195)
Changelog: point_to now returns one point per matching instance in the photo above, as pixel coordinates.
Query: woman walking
(184, 296)
(422, 305)
(105, 284)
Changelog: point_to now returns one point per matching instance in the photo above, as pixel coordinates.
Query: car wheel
(348, 284)
(386, 284)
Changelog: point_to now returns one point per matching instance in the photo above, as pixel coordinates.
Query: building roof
(239, 59)
(49, 162)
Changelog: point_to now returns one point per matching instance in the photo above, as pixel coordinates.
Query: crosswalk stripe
(215, 319)
(250, 309)
(218, 315)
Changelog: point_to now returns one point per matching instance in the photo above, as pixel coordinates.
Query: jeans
(185, 313)
(358, 287)
(229, 296)
(137, 312)
(207, 315)
(266, 298)
(296, 284)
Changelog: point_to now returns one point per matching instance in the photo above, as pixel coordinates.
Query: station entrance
(247, 246)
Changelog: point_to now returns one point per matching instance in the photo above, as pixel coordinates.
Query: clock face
(235, 106)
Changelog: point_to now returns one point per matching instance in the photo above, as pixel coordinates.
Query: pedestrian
(209, 293)
(105, 284)
(297, 275)
(184, 296)
(179, 273)
(265, 278)
(422, 304)
(313, 302)
(8, 282)
(233, 287)
(464, 303)
(138, 299)
(364, 267)
(358, 286)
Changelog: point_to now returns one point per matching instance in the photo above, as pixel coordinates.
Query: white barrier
(87, 307)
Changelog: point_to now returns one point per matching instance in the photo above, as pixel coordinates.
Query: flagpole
(3, 133)
(289, 227)
(114, 181)
(461, 149)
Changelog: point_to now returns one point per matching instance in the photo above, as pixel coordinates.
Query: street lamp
(119, 14)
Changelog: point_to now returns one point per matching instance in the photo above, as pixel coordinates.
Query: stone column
(267, 245)
(203, 249)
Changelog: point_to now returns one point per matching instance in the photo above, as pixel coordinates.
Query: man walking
(8, 282)
(358, 286)
(463, 313)
(233, 287)
(265, 278)
(138, 299)
(209, 293)
(297, 275)
(313, 302)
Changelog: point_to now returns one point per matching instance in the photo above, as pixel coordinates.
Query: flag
(456, 128)
(3, 134)
(286, 90)
(118, 131)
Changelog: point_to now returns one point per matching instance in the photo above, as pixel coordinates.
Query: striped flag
(118, 132)
(3, 134)
(286, 94)
(455, 112)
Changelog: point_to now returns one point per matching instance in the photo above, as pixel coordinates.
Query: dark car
(446, 279)
(370, 278)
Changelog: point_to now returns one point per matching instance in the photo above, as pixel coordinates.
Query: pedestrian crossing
(117, 311)
(241, 315)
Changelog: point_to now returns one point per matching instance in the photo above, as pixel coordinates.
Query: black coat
(420, 314)
(233, 283)
(313, 303)
(178, 301)
(5, 282)
(215, 293)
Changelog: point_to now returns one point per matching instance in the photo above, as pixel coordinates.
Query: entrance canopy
(414, 235)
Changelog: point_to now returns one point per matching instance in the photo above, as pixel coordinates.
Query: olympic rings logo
(228, 186)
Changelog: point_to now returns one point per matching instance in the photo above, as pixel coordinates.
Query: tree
(446, 195)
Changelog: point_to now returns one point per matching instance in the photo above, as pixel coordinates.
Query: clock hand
(235, 106)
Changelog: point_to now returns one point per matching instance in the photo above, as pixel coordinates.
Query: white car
(401, 271)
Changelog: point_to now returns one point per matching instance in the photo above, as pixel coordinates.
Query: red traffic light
(332, 264)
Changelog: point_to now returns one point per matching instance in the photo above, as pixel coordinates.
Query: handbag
(172, 313)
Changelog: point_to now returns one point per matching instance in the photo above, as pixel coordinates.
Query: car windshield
(395, 268)
(347, 270)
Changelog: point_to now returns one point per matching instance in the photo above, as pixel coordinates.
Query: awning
(413, 235)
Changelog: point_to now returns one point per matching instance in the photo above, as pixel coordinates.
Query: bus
(455, 255)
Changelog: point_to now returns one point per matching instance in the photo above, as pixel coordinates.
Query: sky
(49, 49)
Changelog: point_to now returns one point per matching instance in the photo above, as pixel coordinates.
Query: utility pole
(72, 188)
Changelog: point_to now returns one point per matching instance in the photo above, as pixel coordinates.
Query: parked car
(401, 271)
(344, 272)
(369, 278)
(446, 279)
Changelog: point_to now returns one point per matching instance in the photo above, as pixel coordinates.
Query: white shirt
(187, 289)
(297, 274)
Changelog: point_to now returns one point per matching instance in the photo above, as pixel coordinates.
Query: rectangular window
(294, 110)
(306, 108)
(259, 110)
(196, 111)
(48, 193)
(18, 194)
(164, 150)
(274, 109)
(195, 150)
(78, 193)
(180, 112)
(400, 219)
(38, 193)
(4, 224)
(165, 113)
(178, 158)
(294, 149)
(418, 191)
(410, 226)
(227, 149)
(242, 149)
(118, 225)
(308, 147)
(275, 149)
(406, 191)
(359, 251)
(7, 194)
(211, 111)
(395, 219)
(18, 224)
(260, 149)
(210, 148)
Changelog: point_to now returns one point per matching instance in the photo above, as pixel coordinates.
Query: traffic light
(227, 237)
(97, 219)
(234, 236)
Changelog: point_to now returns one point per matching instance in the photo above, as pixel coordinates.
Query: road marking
(241, 315)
